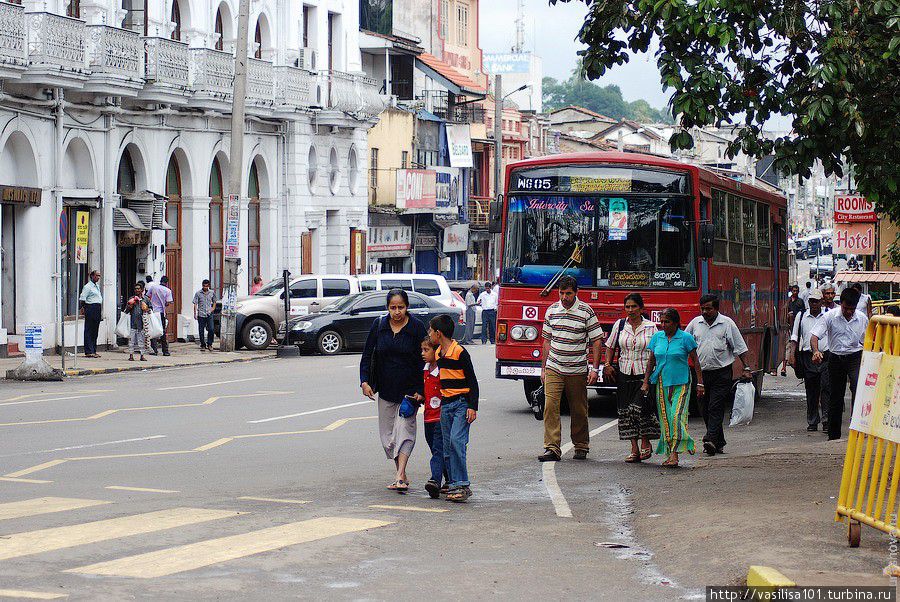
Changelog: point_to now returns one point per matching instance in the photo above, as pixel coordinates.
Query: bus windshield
(623, 241)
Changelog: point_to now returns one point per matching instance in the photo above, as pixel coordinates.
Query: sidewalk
(116, 360)
(769, 501)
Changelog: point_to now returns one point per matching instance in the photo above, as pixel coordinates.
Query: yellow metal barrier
(872, 465)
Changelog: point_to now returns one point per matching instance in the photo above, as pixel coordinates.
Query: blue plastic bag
(408, 407)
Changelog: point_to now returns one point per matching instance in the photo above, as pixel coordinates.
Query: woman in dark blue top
(391, 367)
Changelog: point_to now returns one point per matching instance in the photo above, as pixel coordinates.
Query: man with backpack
(815, 376)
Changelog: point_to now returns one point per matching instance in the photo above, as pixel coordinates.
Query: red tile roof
(585, 111)
(452, 73)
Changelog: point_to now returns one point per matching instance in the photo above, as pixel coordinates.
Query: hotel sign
(20, 195)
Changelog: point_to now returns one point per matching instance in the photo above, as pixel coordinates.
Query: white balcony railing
(295, 88)
(354, 93)
(56, 42)
(260, 83)
(12, 37)
(115, 52)
(166, 62)
(211, 73)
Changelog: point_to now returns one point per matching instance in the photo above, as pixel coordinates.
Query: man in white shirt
(865, 300)
(804, 294)
(91, 299)
(719, 342)
(815, 376)
(488, 303)
(843, 330)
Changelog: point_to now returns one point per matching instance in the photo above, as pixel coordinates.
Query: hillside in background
(606, 100)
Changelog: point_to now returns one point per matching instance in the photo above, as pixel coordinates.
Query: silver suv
(259, 315)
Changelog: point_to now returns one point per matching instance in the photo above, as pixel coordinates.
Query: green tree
(832, 65)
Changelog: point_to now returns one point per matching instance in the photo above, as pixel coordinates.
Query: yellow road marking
(202, 448)
(44, 505)
(223, 382)
(205, 553)
(141, 489)
(213, 444)
(58, 538)
(29, 401)
(109, 412)
(274, 500)
(410, 508)
(21, 593)
(32, 481)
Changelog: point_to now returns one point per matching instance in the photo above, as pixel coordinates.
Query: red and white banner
(416, 189)
(855, 239)
(851, 209)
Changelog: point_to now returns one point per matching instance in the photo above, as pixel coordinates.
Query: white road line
(307, 413)
(18, 403)
(58, 449)
(221, 382)
(560, 505)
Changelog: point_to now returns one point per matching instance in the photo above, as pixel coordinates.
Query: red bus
(626, 222)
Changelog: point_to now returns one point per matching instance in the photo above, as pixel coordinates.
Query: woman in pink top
(257, 284)
(629, 341)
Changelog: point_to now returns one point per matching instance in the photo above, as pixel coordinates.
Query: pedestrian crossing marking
(410, 508)
(32, 481)
(213, 551)
(44, 505)
(58, 538)
(140, 489)
(21, 593)
(274, 500)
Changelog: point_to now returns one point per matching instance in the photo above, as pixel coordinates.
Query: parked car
(345, 324)
(259, 315)
(432, 285)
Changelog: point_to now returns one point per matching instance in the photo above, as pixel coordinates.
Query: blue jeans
(206, 322)
(455, 432)
(435, 439)
(488, 325)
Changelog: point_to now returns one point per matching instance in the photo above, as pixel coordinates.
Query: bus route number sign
(540, 184)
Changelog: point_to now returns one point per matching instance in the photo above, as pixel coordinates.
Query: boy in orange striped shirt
(459, 404)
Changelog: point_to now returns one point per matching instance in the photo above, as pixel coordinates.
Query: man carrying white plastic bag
(744, 394)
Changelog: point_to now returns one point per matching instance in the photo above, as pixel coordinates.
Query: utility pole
(227, 333)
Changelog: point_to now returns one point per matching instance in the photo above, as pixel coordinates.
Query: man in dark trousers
(844, 331)
(160, 299)
(719, 342)
(815, 376)
(91, 300)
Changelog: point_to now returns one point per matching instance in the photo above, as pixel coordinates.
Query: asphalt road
(190, 484)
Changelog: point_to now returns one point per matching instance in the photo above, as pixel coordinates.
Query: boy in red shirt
(432, 403)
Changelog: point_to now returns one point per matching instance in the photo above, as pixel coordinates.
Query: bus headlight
(523, 333)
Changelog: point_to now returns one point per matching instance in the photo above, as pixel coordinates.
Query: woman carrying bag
(629, 343)
(389, 371)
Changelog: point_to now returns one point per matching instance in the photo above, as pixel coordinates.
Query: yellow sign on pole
(82, 220)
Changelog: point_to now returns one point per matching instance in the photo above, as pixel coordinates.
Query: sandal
(402, 486)
(633, 458)
(646, 453)
(395, 485)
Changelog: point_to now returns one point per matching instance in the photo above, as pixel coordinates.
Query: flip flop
(633, 458)
(395, 485)
(402, 486)
(646, 453)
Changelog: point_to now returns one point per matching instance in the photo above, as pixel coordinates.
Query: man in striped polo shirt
(569, 327)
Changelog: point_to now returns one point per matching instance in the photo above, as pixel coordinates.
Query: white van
(431, 285)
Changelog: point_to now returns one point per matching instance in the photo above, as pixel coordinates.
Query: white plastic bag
(156, 329)
(744, 395)
(123, 328)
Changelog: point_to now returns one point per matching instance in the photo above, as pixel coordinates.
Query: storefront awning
(851, 276)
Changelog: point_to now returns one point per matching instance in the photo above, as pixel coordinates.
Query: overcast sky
(553, 39)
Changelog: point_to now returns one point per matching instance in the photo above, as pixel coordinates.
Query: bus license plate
(520, 370)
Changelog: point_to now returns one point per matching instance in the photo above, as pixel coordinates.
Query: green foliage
(832, 65)
(604, 100)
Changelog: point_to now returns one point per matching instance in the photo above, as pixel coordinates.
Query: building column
(109, 269)
(194, 258)
(36, 294)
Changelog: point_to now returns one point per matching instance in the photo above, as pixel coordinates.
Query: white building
(102, 100)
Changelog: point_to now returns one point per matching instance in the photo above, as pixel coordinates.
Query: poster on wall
(232, 227)
(618, 219)
(448, 188)
(459, 145)
(456, 238)
(82, 221)
(416, 189)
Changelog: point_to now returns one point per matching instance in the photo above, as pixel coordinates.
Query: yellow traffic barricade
(871, 474)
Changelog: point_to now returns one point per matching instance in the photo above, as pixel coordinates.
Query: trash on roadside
(610, 544)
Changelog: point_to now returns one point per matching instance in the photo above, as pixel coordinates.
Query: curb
(97, 371)
(763, 576)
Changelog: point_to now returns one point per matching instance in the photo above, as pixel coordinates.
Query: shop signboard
(389, 238)
(459, 145)
(854, 239)
(853, 208)
(20, 195)
(416, 189)
(448, 188)
(456, 238)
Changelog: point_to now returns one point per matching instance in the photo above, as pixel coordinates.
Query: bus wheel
(758, 385)
(531, 385)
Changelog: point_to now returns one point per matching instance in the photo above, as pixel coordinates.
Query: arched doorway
(126, 255)
(216, 227)
(173, 243)
(253, 227)
(176, 20)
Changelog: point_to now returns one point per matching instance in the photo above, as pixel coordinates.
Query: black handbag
(537, 402)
